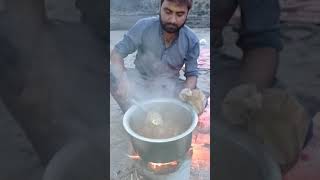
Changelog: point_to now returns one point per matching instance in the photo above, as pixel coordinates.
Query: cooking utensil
(232, 148)
(174, 138)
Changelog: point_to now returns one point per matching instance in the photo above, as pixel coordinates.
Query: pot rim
(180, 136)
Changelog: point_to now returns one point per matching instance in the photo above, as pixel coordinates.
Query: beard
(169, 27)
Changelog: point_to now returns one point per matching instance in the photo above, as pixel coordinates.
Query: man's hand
(119, 73)
(117, 64)
(194, 97)
(185, 94)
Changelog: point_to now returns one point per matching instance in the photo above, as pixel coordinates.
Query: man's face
(173, 16)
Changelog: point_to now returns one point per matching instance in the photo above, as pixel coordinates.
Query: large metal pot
(237, 155)
(175, 114)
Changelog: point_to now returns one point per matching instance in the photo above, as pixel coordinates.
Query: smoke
(159, 82)
(156, 81)
(148, 89)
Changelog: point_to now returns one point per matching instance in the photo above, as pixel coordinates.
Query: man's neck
(168, 38)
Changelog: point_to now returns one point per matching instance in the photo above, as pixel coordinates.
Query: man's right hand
(119, 73)
(122, 89)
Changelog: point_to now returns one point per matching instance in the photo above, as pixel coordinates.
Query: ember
(157, 167)
(163, 167)
(134, 157)
(200, 152)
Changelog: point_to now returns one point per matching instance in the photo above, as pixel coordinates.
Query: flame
(156, 167)
(134, 156)
(159, 167)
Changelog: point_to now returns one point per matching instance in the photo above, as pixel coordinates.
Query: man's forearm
(117, 64)
(191, 82)
(259, 67)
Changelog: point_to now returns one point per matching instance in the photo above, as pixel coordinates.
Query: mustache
(170, 24)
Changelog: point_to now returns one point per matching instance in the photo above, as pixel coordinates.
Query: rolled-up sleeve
(260, 24)
(131, 40)
(191, 63)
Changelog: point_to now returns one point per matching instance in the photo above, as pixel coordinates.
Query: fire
(201, 141)
(134, 156)
(201, 153)
(156, 167)
(159, 167)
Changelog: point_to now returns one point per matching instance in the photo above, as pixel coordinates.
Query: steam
(160, 81)
(143, 90)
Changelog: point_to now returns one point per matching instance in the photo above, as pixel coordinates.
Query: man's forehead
(174, 6)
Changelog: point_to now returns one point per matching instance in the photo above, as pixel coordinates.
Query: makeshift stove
(179, 169)
(194, 166)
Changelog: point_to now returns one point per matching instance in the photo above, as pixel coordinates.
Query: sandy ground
(118, 137)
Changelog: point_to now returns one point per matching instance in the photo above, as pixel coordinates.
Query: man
(164, 44)
(259, 40)
(259, 37)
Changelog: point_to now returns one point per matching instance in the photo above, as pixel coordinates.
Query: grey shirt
(153, 58)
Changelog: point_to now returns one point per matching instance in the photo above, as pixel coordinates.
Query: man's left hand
(194, 97)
